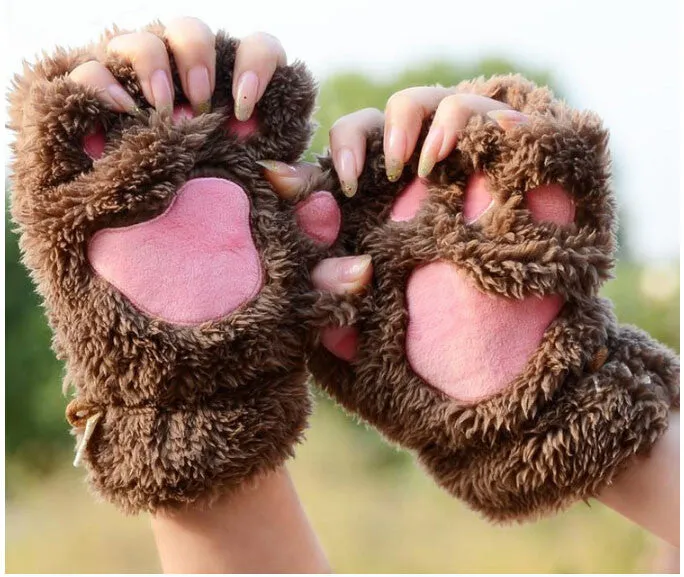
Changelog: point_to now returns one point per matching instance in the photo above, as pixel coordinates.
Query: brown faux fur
(593, 395)
(187, 412)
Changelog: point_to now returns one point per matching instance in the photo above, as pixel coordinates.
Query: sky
(618, 58)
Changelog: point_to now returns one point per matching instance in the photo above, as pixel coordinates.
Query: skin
(263, 527)
(647, 493)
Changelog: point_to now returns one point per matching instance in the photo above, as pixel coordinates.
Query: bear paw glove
(483, 344)
(174, 278)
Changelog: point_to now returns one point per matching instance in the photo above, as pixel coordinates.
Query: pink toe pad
(94, 143)
(550, 203)
(410, 200)
(466, 343)
(242, 129)
(477, 199)
(194, 263)
(319, 217)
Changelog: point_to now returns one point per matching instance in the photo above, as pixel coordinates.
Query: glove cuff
(578, 443)
(150, 457)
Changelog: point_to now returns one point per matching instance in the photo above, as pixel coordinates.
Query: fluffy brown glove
(172, 275)
(484, 346)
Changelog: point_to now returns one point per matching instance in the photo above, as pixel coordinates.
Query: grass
(373, 509)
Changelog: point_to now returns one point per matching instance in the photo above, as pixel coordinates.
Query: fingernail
(283, 177)
(277, 167)
(246, 95)
(199, 88)
(203, 107)
(161, 91)
(346, 171)
(122, 98)
(394, 157)
(352, 268)
(431, 147)
(507, 118)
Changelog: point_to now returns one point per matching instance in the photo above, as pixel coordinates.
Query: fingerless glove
(484, 345)
(172, 274)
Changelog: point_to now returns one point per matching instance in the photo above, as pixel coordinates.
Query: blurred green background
(374, 510)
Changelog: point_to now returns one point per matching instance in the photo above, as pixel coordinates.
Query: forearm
(648, 491)
(260, 529)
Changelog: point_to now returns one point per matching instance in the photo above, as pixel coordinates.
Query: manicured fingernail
(346, 171)
(161, 91)
(394, 156)
(431, 147)
(203, 107)
(246, 95)
(351, 269)
(507, 118)
(199, 88)
(122, 98)
(344, 275)
(282, 176)
(277, 167)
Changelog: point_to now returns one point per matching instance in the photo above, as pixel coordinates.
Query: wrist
(261, 527)
(647, 491)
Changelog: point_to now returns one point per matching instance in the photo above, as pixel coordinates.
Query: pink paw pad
(546, 203)
(468, 344)
(477, 199)
(182, 112)
(341, 341)
(410, 200)
(94, 143)
(242, 129)
(194, 263)
(550, 203)
(319, 217)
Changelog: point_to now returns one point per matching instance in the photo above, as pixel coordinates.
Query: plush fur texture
(187, 412)
(593, 395)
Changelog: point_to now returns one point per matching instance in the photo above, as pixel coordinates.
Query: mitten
(484, 347)
(172, 275)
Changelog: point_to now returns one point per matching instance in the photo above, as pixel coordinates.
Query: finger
(348, 145)
(289, 180)
(257, 58)
(347, 274)
(147, 54)
(450, 119)
(404, 115)
(96, 75)
(343, 342)
(193, 45)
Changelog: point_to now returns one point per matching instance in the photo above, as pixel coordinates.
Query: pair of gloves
(177, 285)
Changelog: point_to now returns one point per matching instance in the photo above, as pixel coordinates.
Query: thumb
(341, 275)
(289, 180)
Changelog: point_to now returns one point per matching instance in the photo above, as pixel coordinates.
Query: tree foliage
(349, 91)
(34, 410)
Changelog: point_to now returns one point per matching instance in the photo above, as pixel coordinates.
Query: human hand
(570, 206)
(192, 46)
(163, 420)
(167, 262)
(402, 122)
